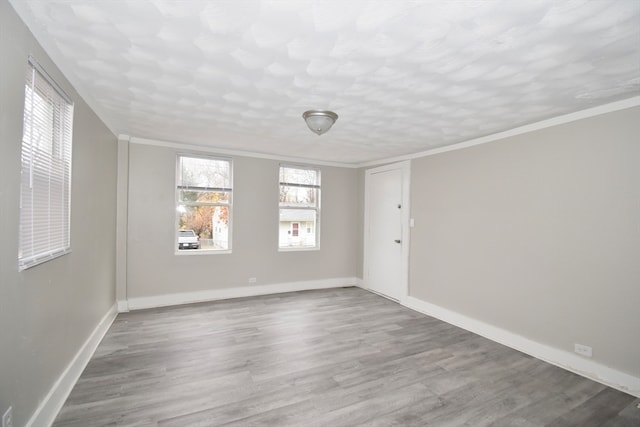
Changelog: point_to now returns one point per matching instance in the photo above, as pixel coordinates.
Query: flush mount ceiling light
(319, 121)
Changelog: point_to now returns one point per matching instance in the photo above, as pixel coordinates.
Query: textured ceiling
(404, 76)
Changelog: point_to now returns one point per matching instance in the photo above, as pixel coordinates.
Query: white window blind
(45, 199)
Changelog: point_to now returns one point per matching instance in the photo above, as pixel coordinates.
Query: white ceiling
(404, 76)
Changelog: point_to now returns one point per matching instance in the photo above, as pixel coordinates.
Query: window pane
(203, 227)
(298, 196)
(299, 202)
(292, 234)
(291, 175)
(204, 173)
(203, 182)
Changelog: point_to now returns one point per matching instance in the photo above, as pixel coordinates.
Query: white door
(384, 234)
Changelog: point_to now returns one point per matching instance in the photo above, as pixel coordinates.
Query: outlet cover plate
(583, 350)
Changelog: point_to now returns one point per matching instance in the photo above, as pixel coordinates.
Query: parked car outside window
(188, 239)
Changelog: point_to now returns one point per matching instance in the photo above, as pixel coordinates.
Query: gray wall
(153, 268)
(47, 312)
(538, 234)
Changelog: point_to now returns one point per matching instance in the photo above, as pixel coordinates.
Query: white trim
(123, 306)
(54, 400)
(237, 292)
(561, 358)
(122, 220)
(27, 263)
(405, 167)
(196, 252)
(298, 248)
(228, 152)
(543, 124)
(555, 121)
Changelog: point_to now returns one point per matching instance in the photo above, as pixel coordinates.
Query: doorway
(386, 234)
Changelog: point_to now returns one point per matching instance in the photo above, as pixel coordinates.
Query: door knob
(397, 240)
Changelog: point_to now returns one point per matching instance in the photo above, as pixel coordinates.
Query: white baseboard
(236, 292)
(123, 306)
(563, 359)
(54, 400)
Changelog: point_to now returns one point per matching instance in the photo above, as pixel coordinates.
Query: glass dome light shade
(319, 121)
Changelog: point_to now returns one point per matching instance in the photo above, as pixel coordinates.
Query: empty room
(319, 213)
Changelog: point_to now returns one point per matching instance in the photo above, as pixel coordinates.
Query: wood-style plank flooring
(337, 357)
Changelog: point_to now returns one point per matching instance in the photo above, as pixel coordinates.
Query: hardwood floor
(337, 357)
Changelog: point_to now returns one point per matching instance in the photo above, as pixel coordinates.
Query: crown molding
(227, 152)
(544, 124)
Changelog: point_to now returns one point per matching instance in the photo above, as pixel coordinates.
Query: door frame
(405, 168)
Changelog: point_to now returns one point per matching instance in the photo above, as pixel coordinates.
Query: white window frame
(45, 178)
(316, 208)
(178, 203)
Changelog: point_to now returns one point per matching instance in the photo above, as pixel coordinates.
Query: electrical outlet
(583, 350)
(7, 418)
(252, 280)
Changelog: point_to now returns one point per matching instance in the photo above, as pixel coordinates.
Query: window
(203, 204)
(299, 204)
(45, 177)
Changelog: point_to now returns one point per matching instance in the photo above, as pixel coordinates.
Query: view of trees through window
(203, 203)
(299, 207)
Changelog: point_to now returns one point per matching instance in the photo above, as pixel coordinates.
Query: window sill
(26, 264)
(315, 248)
(188, 252)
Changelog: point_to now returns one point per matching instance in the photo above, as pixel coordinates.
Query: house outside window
(299, 208)
(203, 204)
